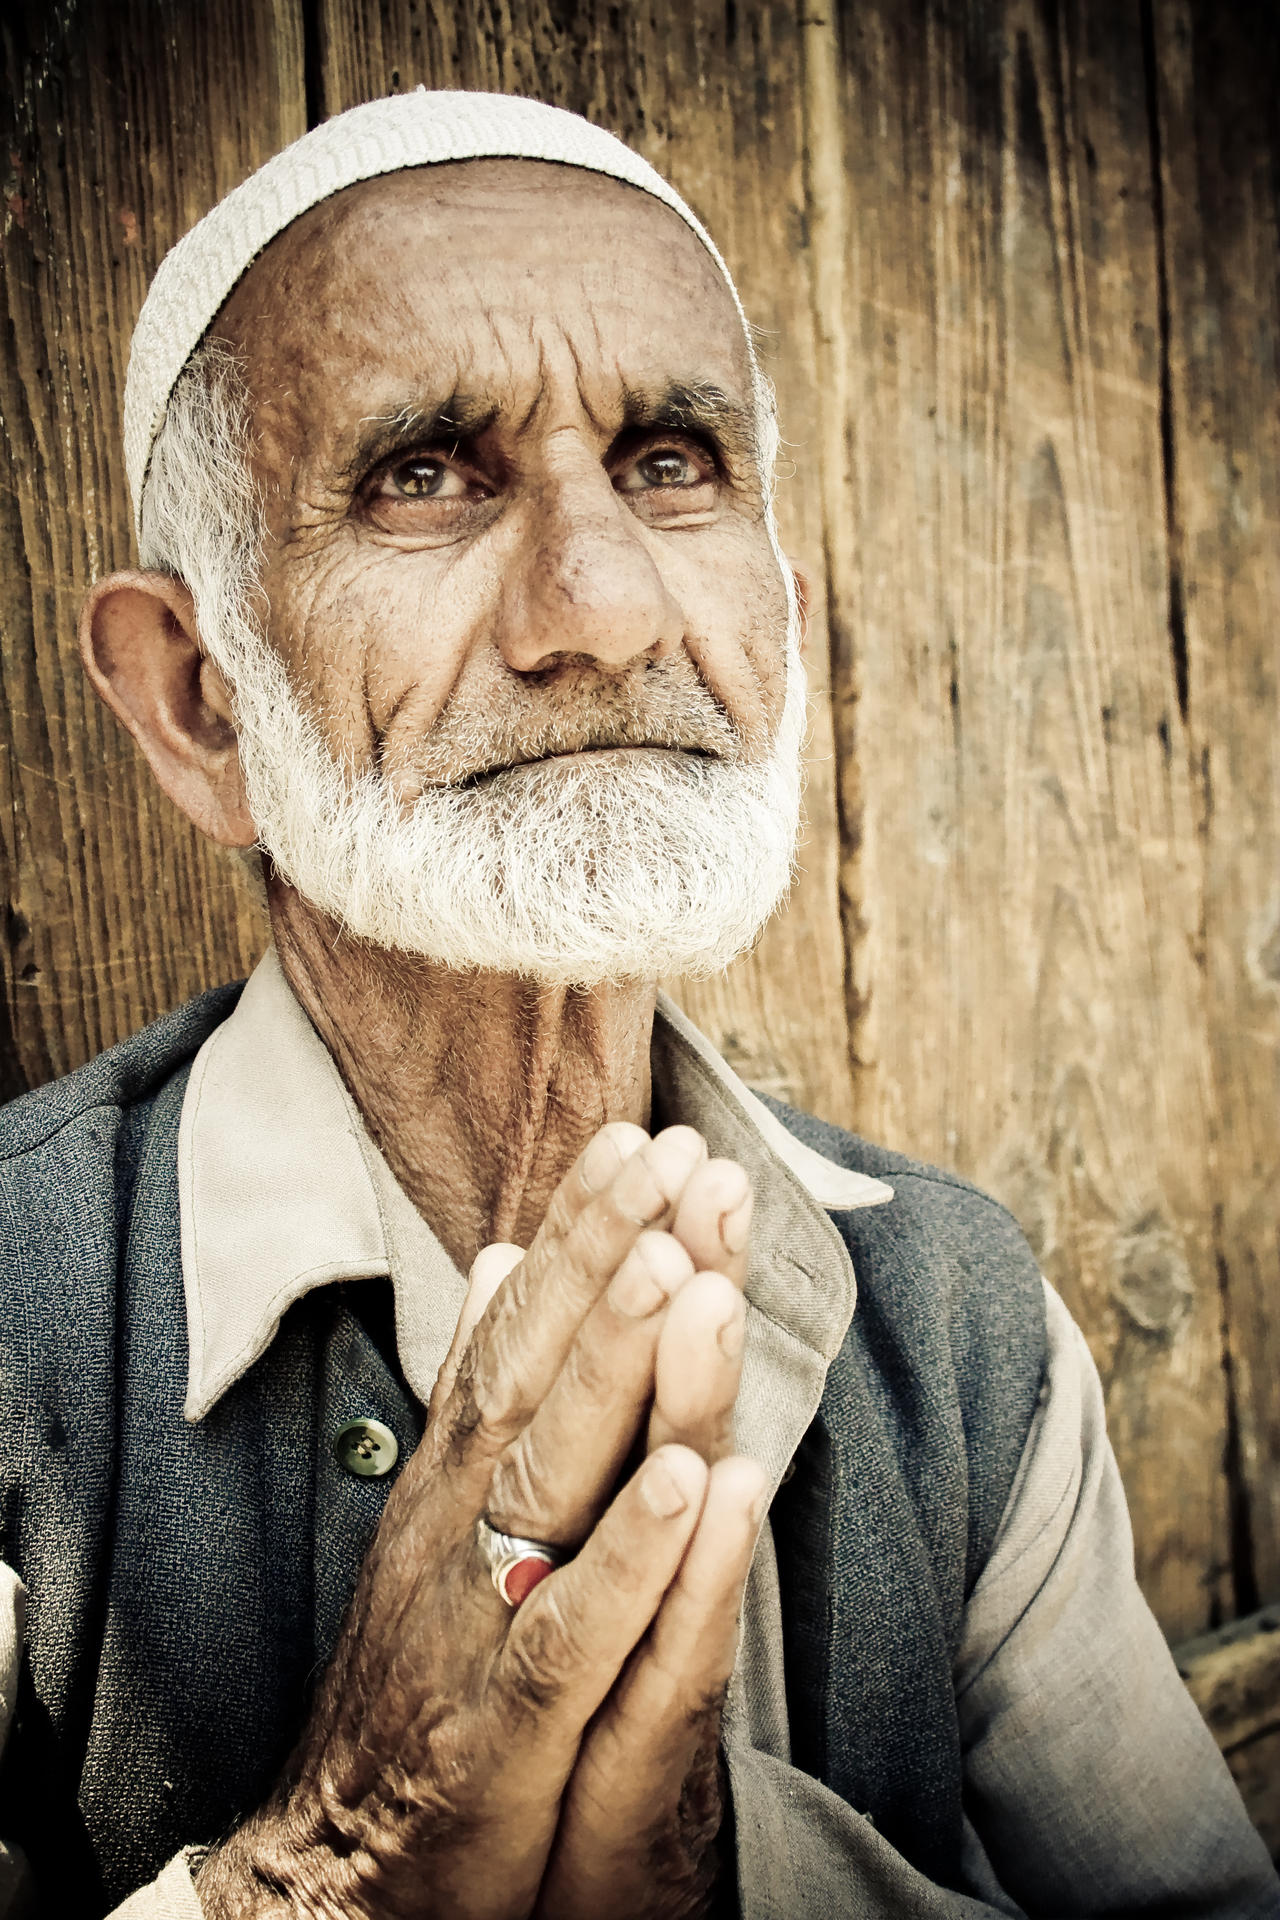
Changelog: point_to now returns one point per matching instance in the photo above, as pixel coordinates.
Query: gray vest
(187, 1582)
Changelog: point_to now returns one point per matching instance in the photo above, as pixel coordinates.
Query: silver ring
(516, 1565)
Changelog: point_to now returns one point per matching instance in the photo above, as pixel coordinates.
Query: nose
(586, 583)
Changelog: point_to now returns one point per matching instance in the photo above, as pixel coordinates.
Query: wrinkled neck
(480, 1089)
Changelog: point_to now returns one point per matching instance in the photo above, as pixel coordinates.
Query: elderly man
(640, 1574)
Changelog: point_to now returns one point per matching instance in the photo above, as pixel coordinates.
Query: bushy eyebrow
(697, 407)
(381, 436)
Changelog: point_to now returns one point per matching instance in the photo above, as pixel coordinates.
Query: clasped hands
(560, 1761)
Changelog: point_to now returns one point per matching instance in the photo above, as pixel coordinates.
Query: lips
(596, 749)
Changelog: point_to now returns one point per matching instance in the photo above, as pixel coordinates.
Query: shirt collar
(282, 1190)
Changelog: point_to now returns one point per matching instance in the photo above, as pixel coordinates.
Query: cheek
(767, 645)
(374, 644)
(737, 620)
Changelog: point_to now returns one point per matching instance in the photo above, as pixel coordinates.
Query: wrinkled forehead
(489, 276)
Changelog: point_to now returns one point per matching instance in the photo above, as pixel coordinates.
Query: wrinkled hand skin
(672, 1869)
(562, 1761)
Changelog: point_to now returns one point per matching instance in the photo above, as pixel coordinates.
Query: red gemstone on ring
(518, 1580)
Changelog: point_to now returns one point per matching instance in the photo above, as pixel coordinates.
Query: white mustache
(502, 768)
(509, 720)
(574, 872)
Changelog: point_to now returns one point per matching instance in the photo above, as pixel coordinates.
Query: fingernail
(634, 1291)
(735, 1225)
(600, 1163)
(673, 1156)
(662, 1492)
(729, 1337)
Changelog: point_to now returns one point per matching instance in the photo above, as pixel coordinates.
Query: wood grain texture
(1234, 1678)
(711, 95)
(1217, 81)
(1024, 881)
(122, 126)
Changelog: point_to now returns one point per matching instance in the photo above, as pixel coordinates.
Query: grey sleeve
(1091, 1780)
(1092, 1786)
(804, 1854)
(170, 1897)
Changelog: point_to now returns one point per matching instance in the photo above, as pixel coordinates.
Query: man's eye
(422, 479)
(663, 467)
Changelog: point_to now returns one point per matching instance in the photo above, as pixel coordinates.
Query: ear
(804, 599)
(142, 653)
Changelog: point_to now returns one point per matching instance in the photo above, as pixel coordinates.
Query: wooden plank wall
(1015, 267)
(125, 123)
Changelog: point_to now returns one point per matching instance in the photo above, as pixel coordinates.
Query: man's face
(527, 700)
(505, 433)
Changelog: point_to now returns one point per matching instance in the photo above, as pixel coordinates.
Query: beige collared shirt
(282, 1190)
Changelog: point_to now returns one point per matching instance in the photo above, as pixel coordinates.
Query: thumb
(488, 1271)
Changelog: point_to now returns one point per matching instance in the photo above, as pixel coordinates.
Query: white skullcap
(405, 130)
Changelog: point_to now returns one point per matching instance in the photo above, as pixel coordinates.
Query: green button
(366, 1447)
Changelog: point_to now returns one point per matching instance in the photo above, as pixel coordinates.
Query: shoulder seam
(939, 1177)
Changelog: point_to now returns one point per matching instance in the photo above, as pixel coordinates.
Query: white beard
(573, 871)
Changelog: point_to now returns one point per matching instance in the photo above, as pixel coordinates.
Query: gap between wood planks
(826, 204)
(1239, 1520)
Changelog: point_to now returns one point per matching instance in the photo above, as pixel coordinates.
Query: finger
(570, 1639)
(595, 1169)
(713, 1218)
(650, 1725)
(640, 1765)
(644, 1192)
(698, 1367)
(488, 1271)
(694, 1641)
(555, 1480)
(536, 1317)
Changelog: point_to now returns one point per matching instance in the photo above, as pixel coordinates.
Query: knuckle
(560, 1215)
(517, 1290)
(479, 1416)
(519, 1494)
(591, 1243)
(539, 1656)
(618, 1569)
(591, 1374)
